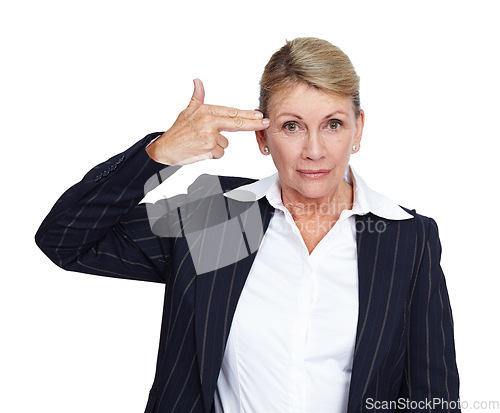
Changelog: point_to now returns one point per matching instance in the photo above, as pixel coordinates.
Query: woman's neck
(315, 217)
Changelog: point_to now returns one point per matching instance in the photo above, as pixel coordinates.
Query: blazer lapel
(382, 262)
(218, 291)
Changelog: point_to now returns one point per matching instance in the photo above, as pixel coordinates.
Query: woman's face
(310, 137)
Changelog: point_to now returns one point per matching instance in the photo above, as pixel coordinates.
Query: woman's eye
(291, 126)
(334, 124)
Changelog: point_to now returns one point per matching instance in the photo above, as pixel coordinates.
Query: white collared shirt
(290, 347)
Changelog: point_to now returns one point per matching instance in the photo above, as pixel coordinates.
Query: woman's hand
(195, 135)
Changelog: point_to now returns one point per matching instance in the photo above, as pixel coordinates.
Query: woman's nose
(313, 146)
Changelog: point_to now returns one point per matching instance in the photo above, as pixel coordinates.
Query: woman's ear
(261, 140)
(360, 123)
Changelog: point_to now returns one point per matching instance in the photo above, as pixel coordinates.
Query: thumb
(198, 94)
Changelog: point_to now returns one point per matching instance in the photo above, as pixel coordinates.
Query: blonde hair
(314, 61)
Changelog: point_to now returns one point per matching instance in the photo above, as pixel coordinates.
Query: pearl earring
(266, 149)
(354, 147)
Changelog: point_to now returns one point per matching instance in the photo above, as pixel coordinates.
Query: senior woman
(305, 291)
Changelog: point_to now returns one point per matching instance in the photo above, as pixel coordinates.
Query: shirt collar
(365, 199)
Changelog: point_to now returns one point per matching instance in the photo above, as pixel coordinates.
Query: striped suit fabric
(404, 348)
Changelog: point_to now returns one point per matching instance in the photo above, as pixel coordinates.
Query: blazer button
(99, 176)
(105, 172)
(120, 160)
(113, 167)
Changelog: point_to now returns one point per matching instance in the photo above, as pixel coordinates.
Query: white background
(82, 81)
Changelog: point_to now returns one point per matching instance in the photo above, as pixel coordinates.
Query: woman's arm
(97, 226)
(431, 374)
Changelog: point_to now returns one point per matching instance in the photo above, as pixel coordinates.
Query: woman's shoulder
(232, 182)
(226, 183)
(420, 223)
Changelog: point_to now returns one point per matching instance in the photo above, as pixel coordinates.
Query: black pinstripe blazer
(404, 345)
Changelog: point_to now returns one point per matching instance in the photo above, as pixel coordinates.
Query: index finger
(229, 112)
(240, 124)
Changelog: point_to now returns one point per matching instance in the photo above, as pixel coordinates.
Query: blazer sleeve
(98, 226)
(431, 379)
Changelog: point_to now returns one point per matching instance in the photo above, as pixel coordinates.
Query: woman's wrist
(154, 150)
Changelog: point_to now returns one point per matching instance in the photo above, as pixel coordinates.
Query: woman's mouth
(313, 174)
